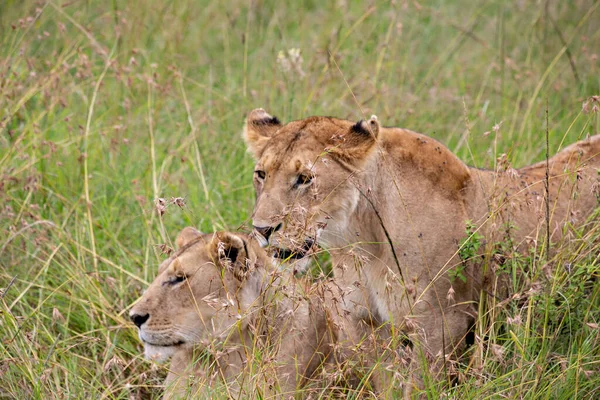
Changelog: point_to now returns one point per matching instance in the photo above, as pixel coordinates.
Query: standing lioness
(392, 206)
(221, 292)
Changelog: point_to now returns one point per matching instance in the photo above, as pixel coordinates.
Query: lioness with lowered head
(222, 293)
(392, 207)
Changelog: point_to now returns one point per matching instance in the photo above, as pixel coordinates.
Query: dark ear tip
(359, 128)
(267, 121)
(260, 117)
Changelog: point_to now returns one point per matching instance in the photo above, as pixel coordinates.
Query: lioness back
(518, 197)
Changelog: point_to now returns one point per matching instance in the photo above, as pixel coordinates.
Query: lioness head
(304, 177)
(195, 297)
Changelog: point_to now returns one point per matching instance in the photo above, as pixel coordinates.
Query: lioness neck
(263, 287)
(411, 179)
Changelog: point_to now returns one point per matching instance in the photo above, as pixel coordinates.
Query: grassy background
(106, 106)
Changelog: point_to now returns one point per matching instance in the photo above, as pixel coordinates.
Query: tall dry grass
(106, 107)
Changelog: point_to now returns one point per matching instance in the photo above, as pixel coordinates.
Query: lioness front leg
(436, 341)
(365, 350)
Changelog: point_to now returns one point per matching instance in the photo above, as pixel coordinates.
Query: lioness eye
(260, 174)
(176, 279)
(303, 179)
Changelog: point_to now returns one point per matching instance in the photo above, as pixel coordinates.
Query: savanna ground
(107, 106)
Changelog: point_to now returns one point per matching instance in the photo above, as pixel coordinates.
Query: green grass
(106, 106)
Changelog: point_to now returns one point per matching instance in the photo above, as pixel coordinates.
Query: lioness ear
(186, 236)
(258, 130)
(363, 134)
(230, 251)
(358, 141)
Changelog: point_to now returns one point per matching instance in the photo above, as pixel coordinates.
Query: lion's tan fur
(231, 309)
(372, 185)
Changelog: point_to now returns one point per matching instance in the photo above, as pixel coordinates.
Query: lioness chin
(221, 293)
(392, 207)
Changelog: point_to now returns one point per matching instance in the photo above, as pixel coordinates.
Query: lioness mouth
(178, 343)
(287, 254)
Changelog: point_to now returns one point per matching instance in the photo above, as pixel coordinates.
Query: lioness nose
(138, 319)
(266, 231)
